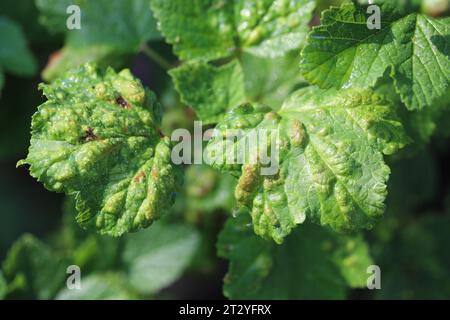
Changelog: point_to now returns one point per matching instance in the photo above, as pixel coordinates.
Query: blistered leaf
(32, 270)
(268, 28)
(105, 286)
(313, 263)
(155, 258)
(329, 164)
(111, 29)
(97, 138)
(344, 52)
(15, 57)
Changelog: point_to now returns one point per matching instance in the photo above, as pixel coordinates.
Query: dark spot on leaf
(89, 135)
(155, 173)
(122, 102)
(139, 177)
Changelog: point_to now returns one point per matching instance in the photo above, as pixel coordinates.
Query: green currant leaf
(32, 270)
(101, 286)
(330, 159)
(352, 256)
(420, 125)
(270, 81)
(250, 258)
(110, 31)
(344, 52)
(211, 90)
(111, 268)
(97, 137)
(260, 37)
(213, 29)
(157, 257)
(313, 263)
(15, 57)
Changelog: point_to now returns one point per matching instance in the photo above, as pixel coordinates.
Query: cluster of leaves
(137, 265)
(342, 100)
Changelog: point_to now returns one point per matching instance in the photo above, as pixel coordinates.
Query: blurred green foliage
(39, 238)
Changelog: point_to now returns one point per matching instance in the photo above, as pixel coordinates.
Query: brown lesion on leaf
(249, 177)
(272, 181)
(139, 177)
(89, 135)
(155, 173)
(248, 183)
(272, 116)
(123, 103)
(297, 133)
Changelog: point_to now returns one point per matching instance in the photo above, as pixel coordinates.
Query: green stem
(156, 57)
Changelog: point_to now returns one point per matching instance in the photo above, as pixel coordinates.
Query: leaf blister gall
(322, 174)
(140, 177)
(117, 148)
